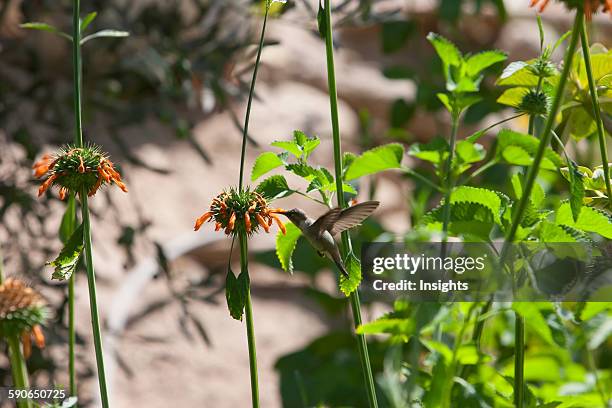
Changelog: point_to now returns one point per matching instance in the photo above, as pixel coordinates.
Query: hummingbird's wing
(335, 221)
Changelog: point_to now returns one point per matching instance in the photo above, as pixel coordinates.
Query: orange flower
(589, 7)
(75, 169)
(235, 211)
(22, 311)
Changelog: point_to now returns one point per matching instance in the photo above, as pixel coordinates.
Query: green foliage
(589, 220)
(236, 293)
(285, 245)
(274, 187)
(519, 149)
(353, 266)
(68, 259)
(264, 163)
(373, 161)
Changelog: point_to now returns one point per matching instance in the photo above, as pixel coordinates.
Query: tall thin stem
(519, 361)
(77, 72)
(245, 129)
(19, 369)
(346, 241)
(449, 178)
(544, 139)
(586, 52)
(244, 268)
(93, 299)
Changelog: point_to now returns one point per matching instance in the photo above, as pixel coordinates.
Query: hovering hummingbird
(320, 233)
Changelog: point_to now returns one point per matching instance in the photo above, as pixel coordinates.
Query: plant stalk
(544, 139)
(93, 302)
(244, 268)
(19, 369)
(346, 241)
(449, 180)
(601, 135)
(247, 118)
(519, 361)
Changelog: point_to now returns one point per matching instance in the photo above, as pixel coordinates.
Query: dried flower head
(589, 7)
(22, 312)
(75, 168)
(234, 211)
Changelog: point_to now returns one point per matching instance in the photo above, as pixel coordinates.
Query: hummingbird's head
(295, 215)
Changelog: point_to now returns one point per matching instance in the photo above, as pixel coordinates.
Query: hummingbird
(320, 233)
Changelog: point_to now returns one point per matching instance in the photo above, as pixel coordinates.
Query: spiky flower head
(237, 211)
(589, 7)
(534, 103)
(22, 312)
(76, 168)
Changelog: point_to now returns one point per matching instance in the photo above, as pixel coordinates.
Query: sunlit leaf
(380, 158)
(274, 187)
(285, 245)
(350, 284)
(66, 262)
(264, 163)
(105, 34)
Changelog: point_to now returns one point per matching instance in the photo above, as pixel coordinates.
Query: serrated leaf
(350, 284)
(264, 163)
(285, 245)
(289, 146)
(46, 27)
(66, 262)
(447, 51)
(576, 180)
(380, 158)
(487, 198)
(436, 151)
(518, 74)
(513, 96)
(589, 220)
(236, 293)
(105, 34)
(528, 143)
(88, 20)
(67, 225)
(274, 187)
(479, 62)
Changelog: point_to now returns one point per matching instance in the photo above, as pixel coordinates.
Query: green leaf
(529, 144)
(401, 328)
(290, 146)
(518, 74)
(236, 292)
(66, 262)
(380, 158)
(274, 187)
(479, 62)
(576, 180)
(353, 267)
(285, 245)
(447, 51)
(321, 21)
(88, 20)
(487, 198)
(436, 151)
(105, 34)
(513, 96)
(445, 99)
(589, 220)
(46, 27)
(67, 225)
(534, 320)
(264, 163)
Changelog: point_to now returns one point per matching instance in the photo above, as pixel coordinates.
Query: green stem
(519, 361)
(544, 139)
(421, 178)
(449, 181)
(251, 93)
(77, 68)
(346, 241)
(93, 302)
(586, 52)
(244, 268)
(19, 369)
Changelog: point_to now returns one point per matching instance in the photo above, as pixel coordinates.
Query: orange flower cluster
(590, 7)
(76, 168)
(234, 211)
(22, 311)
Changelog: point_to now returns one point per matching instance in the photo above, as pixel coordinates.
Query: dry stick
(519, 355)
(586, 52)
(244, 253)
(346, 241)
